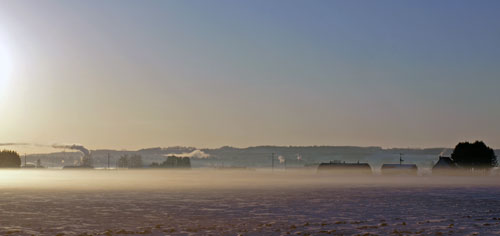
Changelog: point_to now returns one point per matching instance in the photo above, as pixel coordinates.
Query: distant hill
(259, 156)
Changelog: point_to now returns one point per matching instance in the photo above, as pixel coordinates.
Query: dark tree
(185, 162)
(135, 161)
(173, 162)
(9, 159)
(474, 155)
(123, 162)
(155, 165)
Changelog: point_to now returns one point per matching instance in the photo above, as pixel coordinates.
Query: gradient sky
(134, 74)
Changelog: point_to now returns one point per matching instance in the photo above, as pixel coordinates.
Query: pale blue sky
(131, 74)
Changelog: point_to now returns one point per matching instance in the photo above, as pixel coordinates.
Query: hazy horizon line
(256, 146)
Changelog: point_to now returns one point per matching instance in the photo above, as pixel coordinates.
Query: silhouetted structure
(399, 169)
(337, 167)
(445, 166)
(444, 163)
(9, 159)
(474, 155)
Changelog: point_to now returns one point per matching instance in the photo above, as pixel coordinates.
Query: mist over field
(138, 180)
(213, 179)
(251, 202)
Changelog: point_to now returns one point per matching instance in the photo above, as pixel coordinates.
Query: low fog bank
(199, 179)
(255, 157)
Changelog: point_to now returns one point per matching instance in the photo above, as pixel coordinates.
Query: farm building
(399, 169)
(337, 167)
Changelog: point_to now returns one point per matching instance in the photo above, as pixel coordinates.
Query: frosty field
(99, 202)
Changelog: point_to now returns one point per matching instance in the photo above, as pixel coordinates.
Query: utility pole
(272, 161)
(401, 158)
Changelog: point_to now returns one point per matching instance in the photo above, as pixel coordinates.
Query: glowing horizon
(130, 75)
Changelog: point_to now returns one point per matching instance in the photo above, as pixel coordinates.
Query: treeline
(135, 161)
(173, 162)
(9, 159)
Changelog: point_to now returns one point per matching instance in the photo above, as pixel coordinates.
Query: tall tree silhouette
(9, 159)
(474, 155)
(135, 161)
(123, 161)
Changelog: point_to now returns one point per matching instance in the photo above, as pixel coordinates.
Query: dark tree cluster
(474, 155)
(173, 162)
(9, 159)
(134, 161)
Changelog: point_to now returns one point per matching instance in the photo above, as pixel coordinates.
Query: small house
(444, 163)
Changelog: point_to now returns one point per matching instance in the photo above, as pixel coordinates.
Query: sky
(136, 74)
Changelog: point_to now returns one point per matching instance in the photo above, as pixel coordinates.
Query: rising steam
(194, 154)
(281, 159)
(80, 148)
(443, 152)
(14, 144)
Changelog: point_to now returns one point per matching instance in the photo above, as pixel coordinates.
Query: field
(99, 202)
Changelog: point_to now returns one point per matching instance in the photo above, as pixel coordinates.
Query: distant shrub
(9, 159)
